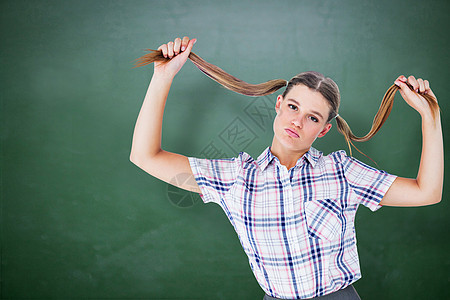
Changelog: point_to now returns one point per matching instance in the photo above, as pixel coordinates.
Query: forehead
(308, 98)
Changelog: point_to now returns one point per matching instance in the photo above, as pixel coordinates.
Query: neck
(287, 157)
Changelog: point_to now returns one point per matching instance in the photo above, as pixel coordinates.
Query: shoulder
(338, 156)
(242, 160)
(340, 160)
(333, 158)
(341, 157)
(354, 168)
(246, 161)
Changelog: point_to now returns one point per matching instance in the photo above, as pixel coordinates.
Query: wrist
(428, 118)
(163, 76)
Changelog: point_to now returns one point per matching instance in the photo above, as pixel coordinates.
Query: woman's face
(301, 117)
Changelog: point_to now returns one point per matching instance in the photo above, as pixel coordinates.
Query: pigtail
(381, 116)
(217, 74)
(313, 80)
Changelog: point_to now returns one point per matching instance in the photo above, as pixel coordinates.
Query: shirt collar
(312, 156)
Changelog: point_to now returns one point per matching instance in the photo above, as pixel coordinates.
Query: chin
(294, 147)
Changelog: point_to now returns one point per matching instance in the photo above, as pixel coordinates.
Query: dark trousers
(349, 293)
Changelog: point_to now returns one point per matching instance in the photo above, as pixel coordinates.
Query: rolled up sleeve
(368, 184)
(215, 177)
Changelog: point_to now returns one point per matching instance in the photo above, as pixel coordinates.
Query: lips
(291, 133)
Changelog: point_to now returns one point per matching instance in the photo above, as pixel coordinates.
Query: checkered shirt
(296, 226)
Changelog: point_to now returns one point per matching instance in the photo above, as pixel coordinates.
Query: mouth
(291, 133)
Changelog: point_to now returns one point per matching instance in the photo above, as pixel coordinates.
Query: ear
(325, 130)
(278, 104)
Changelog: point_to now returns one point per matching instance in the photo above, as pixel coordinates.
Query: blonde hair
(314, 80)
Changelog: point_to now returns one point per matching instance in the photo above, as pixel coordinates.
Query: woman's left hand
(427, 187)
(414, 99)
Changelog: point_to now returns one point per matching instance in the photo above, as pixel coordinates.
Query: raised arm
(146, 151)
(426, 189)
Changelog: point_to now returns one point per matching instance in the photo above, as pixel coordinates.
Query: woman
(293, 208)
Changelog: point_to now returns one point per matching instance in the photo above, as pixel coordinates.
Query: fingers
(163, 48)
(177, 46)
(415, 84)
(184, 43)
(190, 45)
(404, 90)
(401, 81)
(170, 53)
(427, 86)
(419, 85)
(174, 48)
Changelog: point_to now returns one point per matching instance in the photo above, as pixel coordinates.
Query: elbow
(437, 195)
(139, 155)
(144, 161)
(430, 194)
(133, 158)
(139, 160)
(437, 199)
(433, 198)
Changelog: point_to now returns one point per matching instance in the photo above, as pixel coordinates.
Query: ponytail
(314, 81)
(383, 112)
(217, 74)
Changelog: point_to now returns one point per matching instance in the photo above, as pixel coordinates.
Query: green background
(79, 220)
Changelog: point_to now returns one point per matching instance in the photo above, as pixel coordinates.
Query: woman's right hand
(178, 52)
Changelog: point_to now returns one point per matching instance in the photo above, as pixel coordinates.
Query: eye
(292, 106)
(314, 119)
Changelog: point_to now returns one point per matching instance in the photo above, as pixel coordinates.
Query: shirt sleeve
(215, 177)
(368, 184)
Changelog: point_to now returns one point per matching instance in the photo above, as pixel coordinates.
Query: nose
(297, 122)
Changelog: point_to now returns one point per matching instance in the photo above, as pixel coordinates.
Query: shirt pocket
(323, 218)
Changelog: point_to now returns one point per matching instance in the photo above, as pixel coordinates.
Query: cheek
(275, 124)
(318, 130)
(313, 128)
(281, 116)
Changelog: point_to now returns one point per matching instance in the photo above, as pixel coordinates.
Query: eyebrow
(298, 104)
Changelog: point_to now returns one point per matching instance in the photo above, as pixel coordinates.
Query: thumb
(404, 90)
(189, 47)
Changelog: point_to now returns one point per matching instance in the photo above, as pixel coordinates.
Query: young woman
(293, 208)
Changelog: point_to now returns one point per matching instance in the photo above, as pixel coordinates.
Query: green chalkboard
(79, 220)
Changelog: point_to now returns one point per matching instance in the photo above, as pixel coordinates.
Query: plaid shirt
(296, 226)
